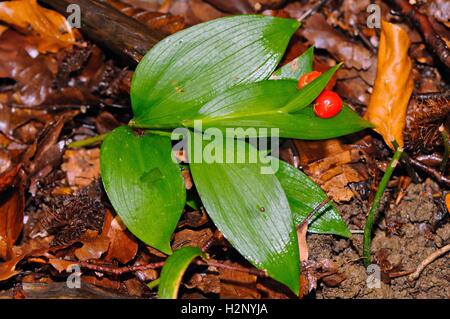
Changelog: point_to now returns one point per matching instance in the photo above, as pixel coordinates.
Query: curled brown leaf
(393, 84)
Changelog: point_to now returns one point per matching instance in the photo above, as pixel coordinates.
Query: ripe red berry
(307, 78)
(328, 104)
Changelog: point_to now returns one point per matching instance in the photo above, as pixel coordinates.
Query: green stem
(376, 204)
(88, 141)
(153, 284)
(446, 149)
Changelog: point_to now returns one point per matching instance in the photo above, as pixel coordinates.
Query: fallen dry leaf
(123, 246)
(237, 284)
(393, 84)
(82, 166)
(35, 247)
(302, 244)
(333, 165)
(192, 238)
(12, 205)
(51, 28)
(94, 246)
(60, 264)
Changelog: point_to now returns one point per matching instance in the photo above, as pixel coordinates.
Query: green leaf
(260, 105)
(307, 94)
(189, 68)
(249, 208)
(303, 196)
(143, 184)
(296, 68)
(173, 271)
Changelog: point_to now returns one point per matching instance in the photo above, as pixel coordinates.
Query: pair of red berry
(328, 103)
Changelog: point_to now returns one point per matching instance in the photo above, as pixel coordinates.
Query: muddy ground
(405, 235)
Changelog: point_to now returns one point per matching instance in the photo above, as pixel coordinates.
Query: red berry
(307, 78)
(328, 104)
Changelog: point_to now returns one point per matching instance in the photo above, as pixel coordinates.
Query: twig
(122, 270)
(251, 271)
(117, 271)
(110, 28)
(438, 253)
(434, 41)
(444, 134)
(431, 171)
(314, 212)
(312, 10)
(376, 204)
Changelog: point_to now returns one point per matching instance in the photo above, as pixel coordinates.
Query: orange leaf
(123, 247)
(11, 220)
(94, 246)
(51, 28)
(393, 84)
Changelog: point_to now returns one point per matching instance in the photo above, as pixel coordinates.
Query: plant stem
(153, 284)
(446, 148)
(88, 141)
(376, 204)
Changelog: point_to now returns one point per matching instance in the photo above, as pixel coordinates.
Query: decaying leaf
(12, 205)
(237, 285)
(82, 166)
(393, 84)
(123, 246)
(302, 244)
(333, 165)
(94, 246)
(51, 28)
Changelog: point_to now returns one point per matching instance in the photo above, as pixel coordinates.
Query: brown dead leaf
(82, 166)
(237, 284)
(35, 247)
(333, 165)
(51, 28)
(208, 283)
(302, 244)
(123, 246)
(324, 36)
(60, 264)
(192, 238)
(94, 246)
(393, 84)
(12, 205)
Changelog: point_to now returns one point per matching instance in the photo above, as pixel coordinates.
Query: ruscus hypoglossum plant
(223, 73)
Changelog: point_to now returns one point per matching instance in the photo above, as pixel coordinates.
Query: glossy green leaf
(307, 94)
(296, 68)
(303, 196)
(173, 271)
(143, 184)
(250, 209)
(189, 68)
(260, 105)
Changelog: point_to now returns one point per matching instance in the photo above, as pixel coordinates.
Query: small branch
(110, 28)
(314, 212)
(434, 41)
(444, 134)
(122, 270)
(312, 10)
(251, 271)
(431, 171)
(376, 204)
(117, 271)
(438, 253)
